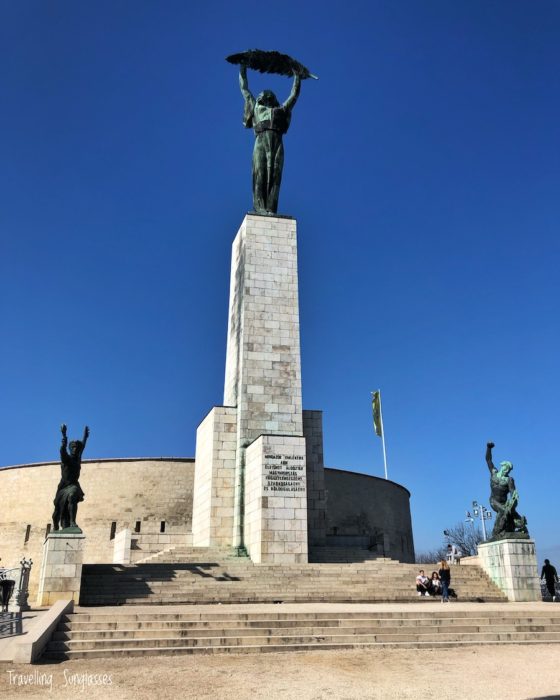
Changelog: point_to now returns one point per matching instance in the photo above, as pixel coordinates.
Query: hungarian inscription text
(284, 473)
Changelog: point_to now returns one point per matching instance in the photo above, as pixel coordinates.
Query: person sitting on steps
(435, 583)
(422, 583)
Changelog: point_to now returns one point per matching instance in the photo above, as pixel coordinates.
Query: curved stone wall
(360, 509)
(369, 510)
(121, 491)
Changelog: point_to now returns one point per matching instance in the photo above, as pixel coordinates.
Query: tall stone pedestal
(251, 467)
(275, 520)
(512, 566)
(214, 479)
(61, 569)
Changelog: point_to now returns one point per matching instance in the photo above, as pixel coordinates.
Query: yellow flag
(376, 407)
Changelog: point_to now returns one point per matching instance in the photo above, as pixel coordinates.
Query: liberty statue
(270, 120)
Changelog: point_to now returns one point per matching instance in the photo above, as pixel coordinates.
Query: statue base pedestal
(256, 453)
(61, 568)
(276, 500)
(511, 563)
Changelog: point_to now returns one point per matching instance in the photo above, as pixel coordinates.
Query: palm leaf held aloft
(270, 62)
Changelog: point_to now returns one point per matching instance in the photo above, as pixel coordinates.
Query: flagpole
(383, 435)
(379, 430)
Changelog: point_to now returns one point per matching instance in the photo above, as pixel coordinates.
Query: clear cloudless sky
(423, 169)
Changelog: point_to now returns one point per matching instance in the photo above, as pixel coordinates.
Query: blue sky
(423, 168)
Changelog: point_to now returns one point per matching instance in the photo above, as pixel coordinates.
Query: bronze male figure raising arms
(504, 499)
(69, 492)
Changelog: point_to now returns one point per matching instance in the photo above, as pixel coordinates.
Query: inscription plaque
(284, 473)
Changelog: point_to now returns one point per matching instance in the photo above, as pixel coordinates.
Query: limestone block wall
(263, 366)
(316, 493)
(275, 500)
(216, 442)
(60, 575)
(123, 491)
(512, 566)
(359, 504)
(149, 491)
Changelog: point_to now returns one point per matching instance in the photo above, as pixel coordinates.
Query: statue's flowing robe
(269, 125)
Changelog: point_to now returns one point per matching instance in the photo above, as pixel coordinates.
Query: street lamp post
(480, 512)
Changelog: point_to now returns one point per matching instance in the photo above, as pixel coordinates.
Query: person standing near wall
(551, 577)
(445, 577)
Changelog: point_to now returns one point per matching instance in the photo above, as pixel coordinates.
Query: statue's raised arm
(247, 96)
(489, 462)
(84, 439)
(244, 83)
(294, 94)
(64, 442)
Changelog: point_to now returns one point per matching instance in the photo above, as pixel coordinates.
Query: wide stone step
(283, 595)
(302, 630)
(363, 588)
(157, 570)
(213, 576)
(240, 600)
(429, 643)
(220, 614)
(149, 632)
(247, 564)
(405, 635)
(250, 580)
(86, 628)
(273, 648)
(180, 552)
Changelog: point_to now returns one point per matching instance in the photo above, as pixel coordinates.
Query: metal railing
(17, 600)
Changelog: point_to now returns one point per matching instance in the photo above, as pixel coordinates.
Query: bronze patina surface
(504, 499)
(270, 120)
(69, 492)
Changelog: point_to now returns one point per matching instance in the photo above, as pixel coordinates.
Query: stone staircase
(342, 555)
(189, 575)
(181, 554)
(325, 555)
(177, 631)
(148, 544)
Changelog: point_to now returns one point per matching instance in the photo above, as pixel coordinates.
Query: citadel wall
(122, 493)
(370, 510)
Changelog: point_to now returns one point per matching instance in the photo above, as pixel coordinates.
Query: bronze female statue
(269, 119)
